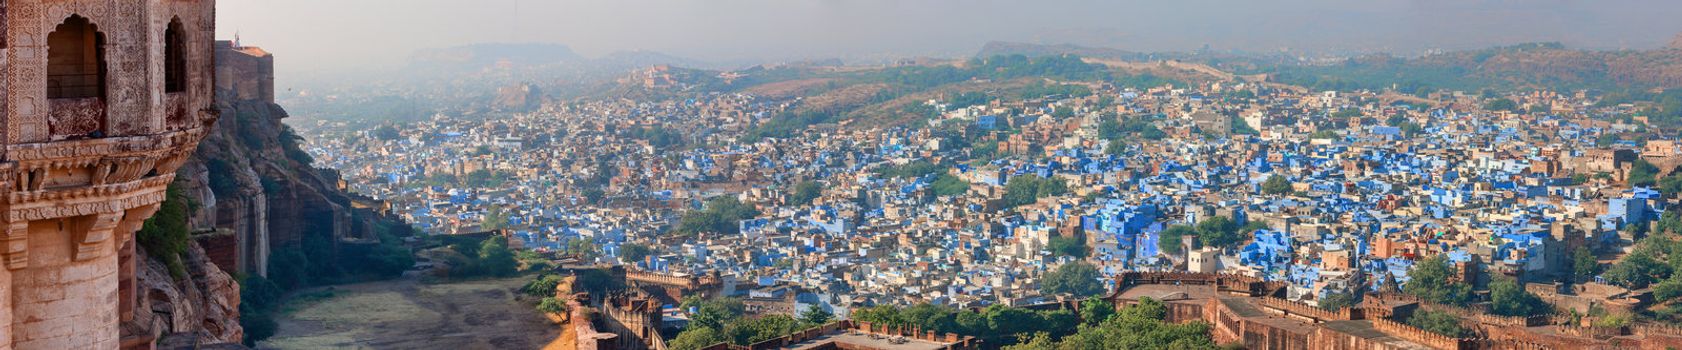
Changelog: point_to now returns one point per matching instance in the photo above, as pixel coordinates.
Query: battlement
(1420, 336)
(1318, 315)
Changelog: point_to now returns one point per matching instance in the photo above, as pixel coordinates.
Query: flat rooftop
(867, 341)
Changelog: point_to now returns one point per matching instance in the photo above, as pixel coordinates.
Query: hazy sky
(330, 35)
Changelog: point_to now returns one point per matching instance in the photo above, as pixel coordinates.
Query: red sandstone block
(40, 294)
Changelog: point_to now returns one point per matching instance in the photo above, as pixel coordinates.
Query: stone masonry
(103, 101)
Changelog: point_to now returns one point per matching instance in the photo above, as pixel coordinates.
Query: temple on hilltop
(103, 101)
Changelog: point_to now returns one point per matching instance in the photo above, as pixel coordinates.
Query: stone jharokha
(103, 100)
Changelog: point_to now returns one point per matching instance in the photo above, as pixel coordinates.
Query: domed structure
(103, 101)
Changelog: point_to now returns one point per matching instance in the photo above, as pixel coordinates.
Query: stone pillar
(64, 300)
(132, 220)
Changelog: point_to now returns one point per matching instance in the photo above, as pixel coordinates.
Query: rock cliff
(252, 194)
(202, 308)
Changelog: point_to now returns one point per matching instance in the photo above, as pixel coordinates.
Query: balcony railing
(73, 118)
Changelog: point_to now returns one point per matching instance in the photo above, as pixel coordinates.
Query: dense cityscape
(1511, 204)
(840, 175)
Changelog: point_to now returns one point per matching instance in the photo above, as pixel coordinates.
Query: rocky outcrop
(202, 308)
(250, 188)
(250, 178)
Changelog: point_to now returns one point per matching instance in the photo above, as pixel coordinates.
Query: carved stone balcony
(117, 181)
(76, 117)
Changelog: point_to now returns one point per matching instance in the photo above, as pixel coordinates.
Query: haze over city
(365, 34)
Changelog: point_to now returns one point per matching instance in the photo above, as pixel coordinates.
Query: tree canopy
(1076, 278)
(1025, 189)
(721, 214)
(1140, 326)
(1276, 185)
(1432, 279)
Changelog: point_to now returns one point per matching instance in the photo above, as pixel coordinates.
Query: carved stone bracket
(133, 220)
(97, 236)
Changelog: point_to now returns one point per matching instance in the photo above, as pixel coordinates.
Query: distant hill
(1526, 66)
(1523, 66)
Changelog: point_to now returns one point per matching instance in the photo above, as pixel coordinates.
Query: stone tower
(103, 100)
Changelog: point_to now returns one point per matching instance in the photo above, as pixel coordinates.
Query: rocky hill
(1523, 66)
(262, 221)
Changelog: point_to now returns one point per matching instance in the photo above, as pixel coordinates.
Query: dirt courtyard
(407, 314)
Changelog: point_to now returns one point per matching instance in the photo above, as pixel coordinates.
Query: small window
(75, 60)
(175, 57)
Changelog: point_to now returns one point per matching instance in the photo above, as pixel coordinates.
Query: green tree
(496, 218)
(1501, 104)
(1667, 290)
(1671, 185)
(1075, 278)
(1003, 320)
(805, 192)
(1638, 269)
(164, 235)
(1095, 310)
(880, 314)
(386, 132)
(1438, 322)
(1140, 326)
(495, 259)
(694, 338)
(542, 286)
(550, 305)
(1605, 140)
(722, 214)
(1336, 300)
(632, 252)
(1508, 298)
(1025, 189)
(1276, 185)
(1169, 241)
(1432, 279)
(1584, 263)
(1068, 246)
(948, 185)
(753, 330)
(816, 315)
(713, 313)
(1220, 231)
(1641, 174)
(1110, 129)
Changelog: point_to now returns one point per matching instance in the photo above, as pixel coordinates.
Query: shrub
(164, 235)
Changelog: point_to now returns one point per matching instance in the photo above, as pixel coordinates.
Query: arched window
(75, 60)
(175, 57)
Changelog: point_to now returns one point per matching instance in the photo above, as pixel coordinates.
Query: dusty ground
(407, 314)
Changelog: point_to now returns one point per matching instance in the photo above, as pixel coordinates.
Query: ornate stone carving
(175, 112)
(76, 117)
